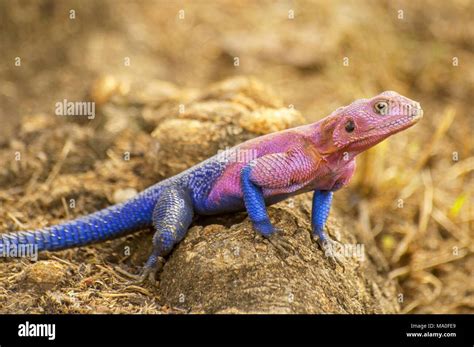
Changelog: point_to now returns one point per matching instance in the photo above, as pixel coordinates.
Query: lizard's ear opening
(328, 127)
(327, 132)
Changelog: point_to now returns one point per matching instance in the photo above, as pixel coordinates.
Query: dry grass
(413, 193)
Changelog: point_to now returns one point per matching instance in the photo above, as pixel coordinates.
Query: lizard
(317, 157)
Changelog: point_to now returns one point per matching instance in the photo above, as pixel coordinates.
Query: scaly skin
(318, 157)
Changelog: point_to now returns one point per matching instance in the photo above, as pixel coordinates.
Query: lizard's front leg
(255, 203)
(281, 172)
(322, 200)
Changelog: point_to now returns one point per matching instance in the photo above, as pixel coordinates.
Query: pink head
(366, 122)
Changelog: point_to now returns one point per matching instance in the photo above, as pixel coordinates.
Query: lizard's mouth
(401, 121)
(392, 125)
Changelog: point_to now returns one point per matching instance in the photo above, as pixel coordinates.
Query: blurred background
(413, 193)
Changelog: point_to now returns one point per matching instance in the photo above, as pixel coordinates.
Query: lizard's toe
(153, 265)
(133, 277)
(280, 244)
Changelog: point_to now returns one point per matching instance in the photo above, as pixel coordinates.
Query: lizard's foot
(264, 228)
(333, 251)
(153, 265)
(273, 235)
(280, 244)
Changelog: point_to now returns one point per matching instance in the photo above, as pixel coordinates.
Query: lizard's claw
(150, 269)
(147, 274)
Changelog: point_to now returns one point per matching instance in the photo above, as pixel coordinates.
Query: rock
(266, 121)
(222, 116)
(45, 274)
(105, 87)
(225, 267)
(121, 195)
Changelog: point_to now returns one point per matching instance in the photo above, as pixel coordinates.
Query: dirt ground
(138, 61)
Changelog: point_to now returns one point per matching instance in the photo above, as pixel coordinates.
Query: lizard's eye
(381, 107)
(350, 126)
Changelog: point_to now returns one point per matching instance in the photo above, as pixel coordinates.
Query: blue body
(169, 206)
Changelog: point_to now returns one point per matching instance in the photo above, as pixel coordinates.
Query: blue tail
(116, 220)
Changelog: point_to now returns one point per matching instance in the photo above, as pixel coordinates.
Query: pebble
(45, 274)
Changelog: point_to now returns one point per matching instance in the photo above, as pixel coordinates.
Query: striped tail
(114, 221)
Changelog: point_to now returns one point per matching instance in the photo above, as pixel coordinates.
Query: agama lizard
(318, 157)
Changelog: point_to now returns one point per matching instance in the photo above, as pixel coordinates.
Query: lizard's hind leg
(172, 216)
